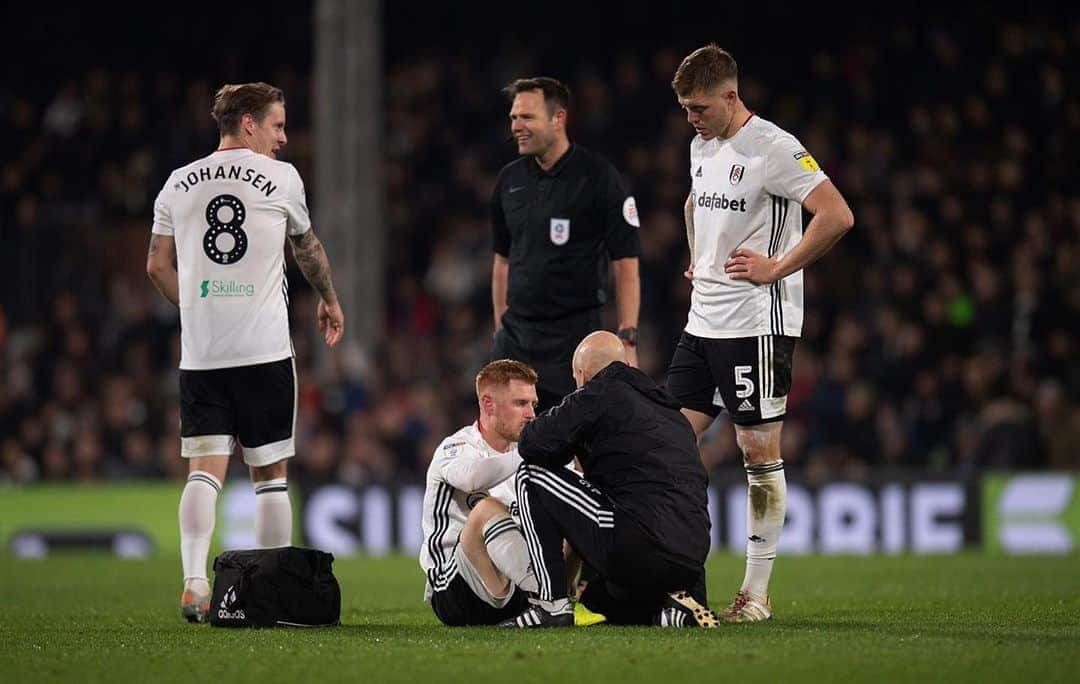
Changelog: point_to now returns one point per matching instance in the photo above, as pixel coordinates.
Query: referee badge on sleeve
(560, 231)
(629, 212)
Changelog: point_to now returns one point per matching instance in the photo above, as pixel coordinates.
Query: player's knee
(486, 509)
(274, 471)
(757, 446)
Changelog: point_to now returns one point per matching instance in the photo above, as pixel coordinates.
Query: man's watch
(628, 335)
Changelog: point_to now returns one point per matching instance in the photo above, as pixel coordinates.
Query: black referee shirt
(558, 229)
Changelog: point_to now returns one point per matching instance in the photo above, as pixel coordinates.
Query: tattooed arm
(311, 258)
(161, 266)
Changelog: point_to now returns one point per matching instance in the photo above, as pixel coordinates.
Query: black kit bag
(287, 586)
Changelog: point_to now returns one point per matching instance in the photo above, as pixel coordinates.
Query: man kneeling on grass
(639, 513)
(474, 555)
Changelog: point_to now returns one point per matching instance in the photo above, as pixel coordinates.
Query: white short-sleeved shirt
(446, 506)
(748, 192)
(229, 214)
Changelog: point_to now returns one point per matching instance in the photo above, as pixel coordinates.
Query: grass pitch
(964, 618)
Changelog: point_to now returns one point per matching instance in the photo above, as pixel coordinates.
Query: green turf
(971, 618)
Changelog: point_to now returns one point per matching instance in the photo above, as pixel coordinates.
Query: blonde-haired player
(217, 253)
(750, 181)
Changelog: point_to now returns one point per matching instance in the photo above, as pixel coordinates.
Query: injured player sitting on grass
(474, 554)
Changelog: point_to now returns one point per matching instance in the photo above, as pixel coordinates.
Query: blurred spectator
(938, 332)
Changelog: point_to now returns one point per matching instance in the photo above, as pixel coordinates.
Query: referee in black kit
(558, 214)
(639, 513)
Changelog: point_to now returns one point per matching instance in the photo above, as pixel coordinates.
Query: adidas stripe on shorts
(749, 377)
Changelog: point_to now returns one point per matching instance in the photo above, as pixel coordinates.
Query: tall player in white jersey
(216, 252)
(474, 554)
(750, 180)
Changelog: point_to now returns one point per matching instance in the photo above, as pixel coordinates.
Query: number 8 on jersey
(216, 242)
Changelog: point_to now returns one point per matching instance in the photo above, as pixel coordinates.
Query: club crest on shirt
(560, 231)
(736, 173)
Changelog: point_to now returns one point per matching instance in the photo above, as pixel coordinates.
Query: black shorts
(750, 377)
(255, 405)
(458, 606)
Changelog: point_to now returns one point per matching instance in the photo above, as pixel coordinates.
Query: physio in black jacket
(639, 514)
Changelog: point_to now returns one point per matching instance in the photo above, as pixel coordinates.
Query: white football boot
(748, 607)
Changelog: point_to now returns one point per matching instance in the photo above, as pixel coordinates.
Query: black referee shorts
(750, 377)
(547, 347)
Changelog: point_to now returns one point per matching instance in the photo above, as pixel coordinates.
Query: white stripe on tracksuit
(578, 499)
(532, 542)
(574, 497)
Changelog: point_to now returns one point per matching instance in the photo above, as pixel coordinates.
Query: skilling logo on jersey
(225, 288)
(736, 173)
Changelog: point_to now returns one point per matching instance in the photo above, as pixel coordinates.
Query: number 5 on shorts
(744, 384)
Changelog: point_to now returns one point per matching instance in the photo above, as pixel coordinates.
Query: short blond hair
(501, 372)
(232, 102)
(704, 69)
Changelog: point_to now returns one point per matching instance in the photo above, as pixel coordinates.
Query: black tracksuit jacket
(636, 448)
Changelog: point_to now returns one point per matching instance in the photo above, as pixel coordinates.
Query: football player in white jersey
(216, 252)
(474, 554)
(750, 180)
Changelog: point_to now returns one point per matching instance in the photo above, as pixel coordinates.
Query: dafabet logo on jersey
(808, 163)
(225, 288)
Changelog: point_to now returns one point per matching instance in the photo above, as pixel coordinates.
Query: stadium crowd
(939, 332)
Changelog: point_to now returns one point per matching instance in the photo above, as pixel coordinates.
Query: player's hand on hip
(331, 322)
(689, 272)
(746, 264)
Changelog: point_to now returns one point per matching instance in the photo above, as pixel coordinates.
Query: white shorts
(472, 578)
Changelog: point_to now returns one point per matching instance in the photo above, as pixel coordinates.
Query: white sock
(506, 548)
(766, 506)
(273, 513)
(198, 505)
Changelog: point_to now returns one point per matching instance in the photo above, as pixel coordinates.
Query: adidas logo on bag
(228, 600)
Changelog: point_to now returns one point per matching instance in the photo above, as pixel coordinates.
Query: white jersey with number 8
(229, 214)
